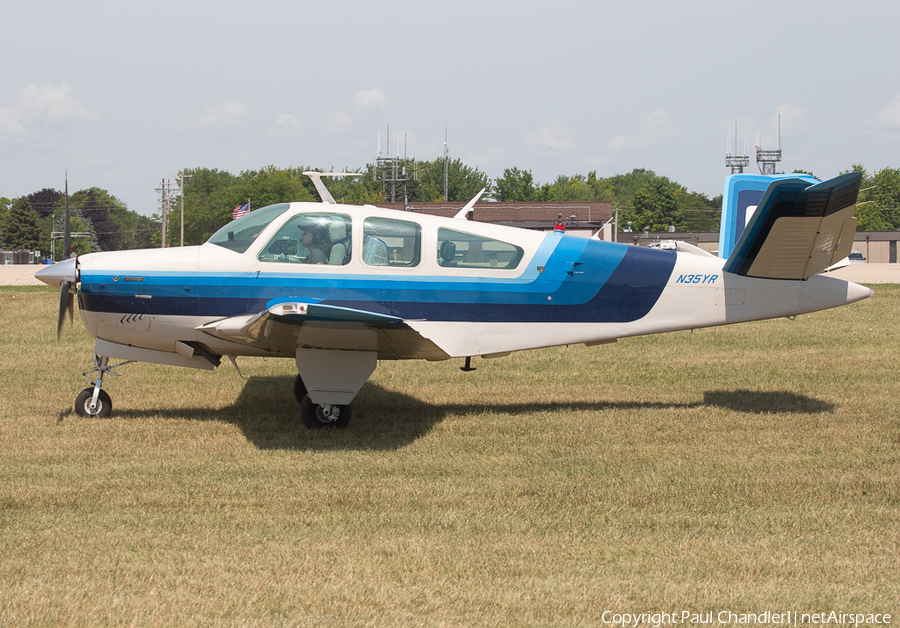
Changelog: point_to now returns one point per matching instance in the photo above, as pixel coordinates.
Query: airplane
(339, 287)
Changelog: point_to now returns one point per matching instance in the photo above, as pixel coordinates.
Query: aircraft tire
(300, 391)
(317, 416)
(83, 404)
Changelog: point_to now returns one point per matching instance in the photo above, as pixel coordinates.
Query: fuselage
(491, 290)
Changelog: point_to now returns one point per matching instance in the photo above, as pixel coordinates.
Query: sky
(124, 95)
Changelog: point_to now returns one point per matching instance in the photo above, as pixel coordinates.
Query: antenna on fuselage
(324, 194)
(463, 214)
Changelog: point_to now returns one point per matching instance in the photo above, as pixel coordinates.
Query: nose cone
(856, 292)
(54, 274)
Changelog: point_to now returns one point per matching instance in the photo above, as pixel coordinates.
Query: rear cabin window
(457, 249)
(390, 242)
(316, 238)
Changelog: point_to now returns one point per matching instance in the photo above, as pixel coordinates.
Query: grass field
(747, 469)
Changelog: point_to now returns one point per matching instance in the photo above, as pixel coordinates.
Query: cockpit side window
(391, 242)
(314, 238)
(239, 234)
(457, 249)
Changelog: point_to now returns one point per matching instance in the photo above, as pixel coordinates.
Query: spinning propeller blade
(66, 302)
(64, 275)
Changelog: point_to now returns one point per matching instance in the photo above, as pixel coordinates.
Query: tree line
(644, 199)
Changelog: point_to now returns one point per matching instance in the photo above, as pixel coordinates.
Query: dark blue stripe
(599, 283)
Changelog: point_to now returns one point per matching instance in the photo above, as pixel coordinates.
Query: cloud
(887, 119)
(286, 124)
(654, 128)
(370, 99)
(225, 114)
(555, 136)
(43, 105)
(792, 118)
(338, 122)
(11, 123)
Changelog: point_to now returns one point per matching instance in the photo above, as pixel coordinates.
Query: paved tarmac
(23, 275)
(19, 275)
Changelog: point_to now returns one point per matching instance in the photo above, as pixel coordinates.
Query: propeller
(65, 275)
(66, 302)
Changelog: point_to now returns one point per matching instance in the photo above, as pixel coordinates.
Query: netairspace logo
(767, 618)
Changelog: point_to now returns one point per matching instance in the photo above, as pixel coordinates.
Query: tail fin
(798, 229)
(740, 199)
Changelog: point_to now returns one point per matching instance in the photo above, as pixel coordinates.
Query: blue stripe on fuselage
(582, 281)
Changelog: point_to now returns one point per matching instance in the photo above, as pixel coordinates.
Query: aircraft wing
(798, 229)
(287, 325)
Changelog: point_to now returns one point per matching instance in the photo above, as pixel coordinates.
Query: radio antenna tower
(766, 159)
(733, 160)
(394, 172)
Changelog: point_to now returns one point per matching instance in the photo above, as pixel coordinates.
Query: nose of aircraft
(55, 274)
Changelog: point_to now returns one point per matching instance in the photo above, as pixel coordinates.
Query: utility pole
(446, 166)
(165, 189)
(181, 179)
(67, 247)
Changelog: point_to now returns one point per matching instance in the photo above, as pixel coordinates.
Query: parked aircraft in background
(338, 287)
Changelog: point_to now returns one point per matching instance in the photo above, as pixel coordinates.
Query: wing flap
(288, 324)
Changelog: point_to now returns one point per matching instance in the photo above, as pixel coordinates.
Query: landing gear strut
(94, 401)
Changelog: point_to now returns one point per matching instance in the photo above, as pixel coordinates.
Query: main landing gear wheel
(83, 404)
(300, 391)
(318, 415)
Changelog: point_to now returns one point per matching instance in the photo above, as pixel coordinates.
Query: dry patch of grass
(745, 468)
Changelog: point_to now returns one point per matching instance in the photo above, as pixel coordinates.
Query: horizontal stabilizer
(798, 229)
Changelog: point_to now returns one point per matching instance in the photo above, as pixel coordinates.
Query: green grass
(744, 468)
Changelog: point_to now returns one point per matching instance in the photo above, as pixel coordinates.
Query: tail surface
(798, 229)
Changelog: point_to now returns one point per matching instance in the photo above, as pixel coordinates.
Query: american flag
(240, 210)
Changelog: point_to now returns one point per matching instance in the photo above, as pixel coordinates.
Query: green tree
(886, 196)
(44, 202)
(654, 207)
(575, 188)
(515, 186)
(23, 228)
(107, 215)
(207, 206)
(4, 212)
(624, 186)
(463, 182)
(77, 224)
(210, 196)
(700, 212)
(878, 201)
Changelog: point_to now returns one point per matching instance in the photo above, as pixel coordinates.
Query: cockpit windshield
(239, 234)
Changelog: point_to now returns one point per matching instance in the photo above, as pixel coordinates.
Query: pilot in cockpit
(315, 239)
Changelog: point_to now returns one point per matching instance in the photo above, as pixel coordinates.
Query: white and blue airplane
(339, 287)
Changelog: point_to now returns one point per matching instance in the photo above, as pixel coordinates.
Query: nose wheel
(94, 402)
(86, 406)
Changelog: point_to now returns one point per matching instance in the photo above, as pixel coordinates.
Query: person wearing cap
(314, 240)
